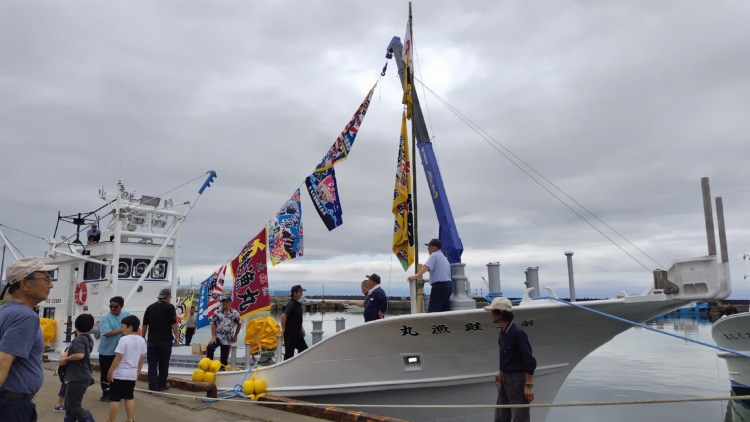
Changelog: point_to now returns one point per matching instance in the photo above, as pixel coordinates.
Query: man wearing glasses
(21, 341)
(111, 329)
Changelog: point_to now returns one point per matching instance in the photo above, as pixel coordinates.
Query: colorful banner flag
(211, 291)
(324, 193)
(403, 227)
(340, 149)
(250, 271)
(183, 311)
(285, 231)
(408, 79)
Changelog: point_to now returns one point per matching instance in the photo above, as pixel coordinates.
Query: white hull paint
(733, 332)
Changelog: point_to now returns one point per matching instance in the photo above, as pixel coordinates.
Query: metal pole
(571, 283)
(708, 214)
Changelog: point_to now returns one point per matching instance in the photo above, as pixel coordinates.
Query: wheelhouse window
(123, 268)
(159, 271)
(139, 267)
(94, 271)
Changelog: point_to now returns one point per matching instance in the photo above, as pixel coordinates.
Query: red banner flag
(250, 294)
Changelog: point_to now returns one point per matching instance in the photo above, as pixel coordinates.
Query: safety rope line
(702, 343)
(464, 406)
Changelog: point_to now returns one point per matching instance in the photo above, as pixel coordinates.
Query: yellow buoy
(251, 396)
(198, 375)
(260, 386)
(204, 364)
(228, 368)
(215, 366)
(259, 395)
(248, 387)
(209, 377)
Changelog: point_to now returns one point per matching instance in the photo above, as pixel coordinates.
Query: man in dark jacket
(160, 330)
(291, 324)
(376, 301)
(515, 381)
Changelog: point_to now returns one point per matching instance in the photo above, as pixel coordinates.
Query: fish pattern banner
(285, 231)
(324, 194)
(340, 149)
(250, 270)
(403, 226)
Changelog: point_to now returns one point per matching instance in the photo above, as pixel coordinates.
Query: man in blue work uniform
(515, 381)
(440, 277)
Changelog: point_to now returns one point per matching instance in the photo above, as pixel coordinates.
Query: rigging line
(186, 183)
(13, 244)
(487, 138)
(646, 327)
(424, 96)
(21, 231)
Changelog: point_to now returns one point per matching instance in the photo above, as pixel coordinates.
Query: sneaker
(165, 388)
(58, 409)
(104, 398)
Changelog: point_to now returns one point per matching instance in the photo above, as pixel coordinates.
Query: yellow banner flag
(408, 78)
(403, 227)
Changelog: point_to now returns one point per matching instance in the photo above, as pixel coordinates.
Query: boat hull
(446, 358)
(732, 332)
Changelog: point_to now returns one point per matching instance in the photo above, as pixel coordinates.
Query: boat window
(48, 313)
(93, 271)
(159, 271)
(139, 266)
(123, 268)
(53, 274)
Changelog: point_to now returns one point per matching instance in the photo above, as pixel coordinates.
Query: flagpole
(419, 283)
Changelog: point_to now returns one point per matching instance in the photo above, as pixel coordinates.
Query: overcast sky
(623, 105)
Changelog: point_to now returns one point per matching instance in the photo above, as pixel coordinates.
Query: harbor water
(639, 364)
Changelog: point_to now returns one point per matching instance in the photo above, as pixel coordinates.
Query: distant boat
(699, 307)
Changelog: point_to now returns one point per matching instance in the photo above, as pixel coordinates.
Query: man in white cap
(515, 381)
(21, 341)
(160, 330)
(440, 277)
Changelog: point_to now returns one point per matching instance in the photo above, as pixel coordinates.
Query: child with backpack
(78, 370)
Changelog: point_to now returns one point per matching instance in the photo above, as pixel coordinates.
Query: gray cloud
(623, 105)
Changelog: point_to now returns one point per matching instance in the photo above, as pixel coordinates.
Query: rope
(465, 406)
(523, 166)
(644, 326)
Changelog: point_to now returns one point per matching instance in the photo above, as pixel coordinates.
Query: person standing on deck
(160, 330)
(291, 324)
(190, 326)
(111, 329)
(21, 340)
(365, 289)
(376, 302)
(440, 277)
(515, 381)
(225, 326)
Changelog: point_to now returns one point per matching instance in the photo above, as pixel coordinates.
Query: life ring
(81, 294)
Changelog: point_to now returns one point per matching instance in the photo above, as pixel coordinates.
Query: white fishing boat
(732, 332)
(135, 255)
(434, 366)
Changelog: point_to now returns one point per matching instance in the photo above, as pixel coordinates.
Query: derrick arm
(448, 234)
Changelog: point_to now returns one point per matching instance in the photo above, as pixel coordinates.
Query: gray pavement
(174, 404)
